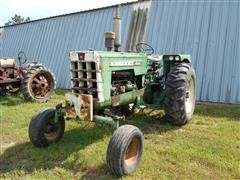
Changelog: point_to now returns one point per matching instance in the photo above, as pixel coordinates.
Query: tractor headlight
(177, 58)
(171, 58)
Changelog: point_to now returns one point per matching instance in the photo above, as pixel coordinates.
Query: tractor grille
(84, 77)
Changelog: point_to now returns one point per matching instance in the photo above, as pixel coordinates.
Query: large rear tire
(124, 151)
(180, 91)
(42, 129)
(38, 84)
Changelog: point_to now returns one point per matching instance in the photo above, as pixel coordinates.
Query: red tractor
(35, 81)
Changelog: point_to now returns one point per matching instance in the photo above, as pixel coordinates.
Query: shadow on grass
(151, 121)
(17, 99)
(100, 172)
(11, 100)
(229, 111)
(29, 158)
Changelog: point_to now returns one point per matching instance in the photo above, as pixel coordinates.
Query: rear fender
(171, 60)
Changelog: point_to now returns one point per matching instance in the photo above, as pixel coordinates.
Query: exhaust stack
(117, 29)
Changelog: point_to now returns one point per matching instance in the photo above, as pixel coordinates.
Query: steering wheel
(22, 58)
(145, 48)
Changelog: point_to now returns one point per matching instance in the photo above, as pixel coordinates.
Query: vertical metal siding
(50, 40)
(209, 31)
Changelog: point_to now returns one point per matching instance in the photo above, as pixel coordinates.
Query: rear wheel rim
(190, 96)
(41, 85)
(132, 152)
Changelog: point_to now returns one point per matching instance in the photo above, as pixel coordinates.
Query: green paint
(124, 99)
(140, 102)
(59, 113)
(139, 65)
(106, 58)
(103, 120)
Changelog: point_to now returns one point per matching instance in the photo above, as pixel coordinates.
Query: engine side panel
(99, 73)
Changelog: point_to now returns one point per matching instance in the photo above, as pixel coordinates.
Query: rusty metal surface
(79, 106)
(70, 111)
(115, 100)
(5, 81)
(40, 84)
(8, 73)
(10, 76)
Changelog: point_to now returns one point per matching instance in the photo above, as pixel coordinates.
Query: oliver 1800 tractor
(106, 86)
(36, 82)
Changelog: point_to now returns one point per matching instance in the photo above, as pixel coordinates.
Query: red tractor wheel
(38, 84)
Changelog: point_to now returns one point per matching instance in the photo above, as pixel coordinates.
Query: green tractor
(107, 86)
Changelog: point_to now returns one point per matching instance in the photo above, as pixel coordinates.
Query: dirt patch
(7, 145)
(6, 142)
(97, 173)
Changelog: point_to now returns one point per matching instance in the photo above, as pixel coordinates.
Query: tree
(17, 19)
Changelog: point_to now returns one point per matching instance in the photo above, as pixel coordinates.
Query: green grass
(206, 148)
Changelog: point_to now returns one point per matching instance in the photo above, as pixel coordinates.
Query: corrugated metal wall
(209, 30)
(50, 40)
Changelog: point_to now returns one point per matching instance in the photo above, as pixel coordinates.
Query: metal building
(209, 30)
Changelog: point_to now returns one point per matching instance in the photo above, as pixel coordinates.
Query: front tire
(42, 130)
(179, 103)
(124, 151)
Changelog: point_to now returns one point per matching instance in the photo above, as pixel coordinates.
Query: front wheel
(43, 130)
(179, 103)
(125, 149)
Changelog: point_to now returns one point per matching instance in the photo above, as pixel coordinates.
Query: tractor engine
(103, 80)
(9, 76)
(122, 81)
(7, 69)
